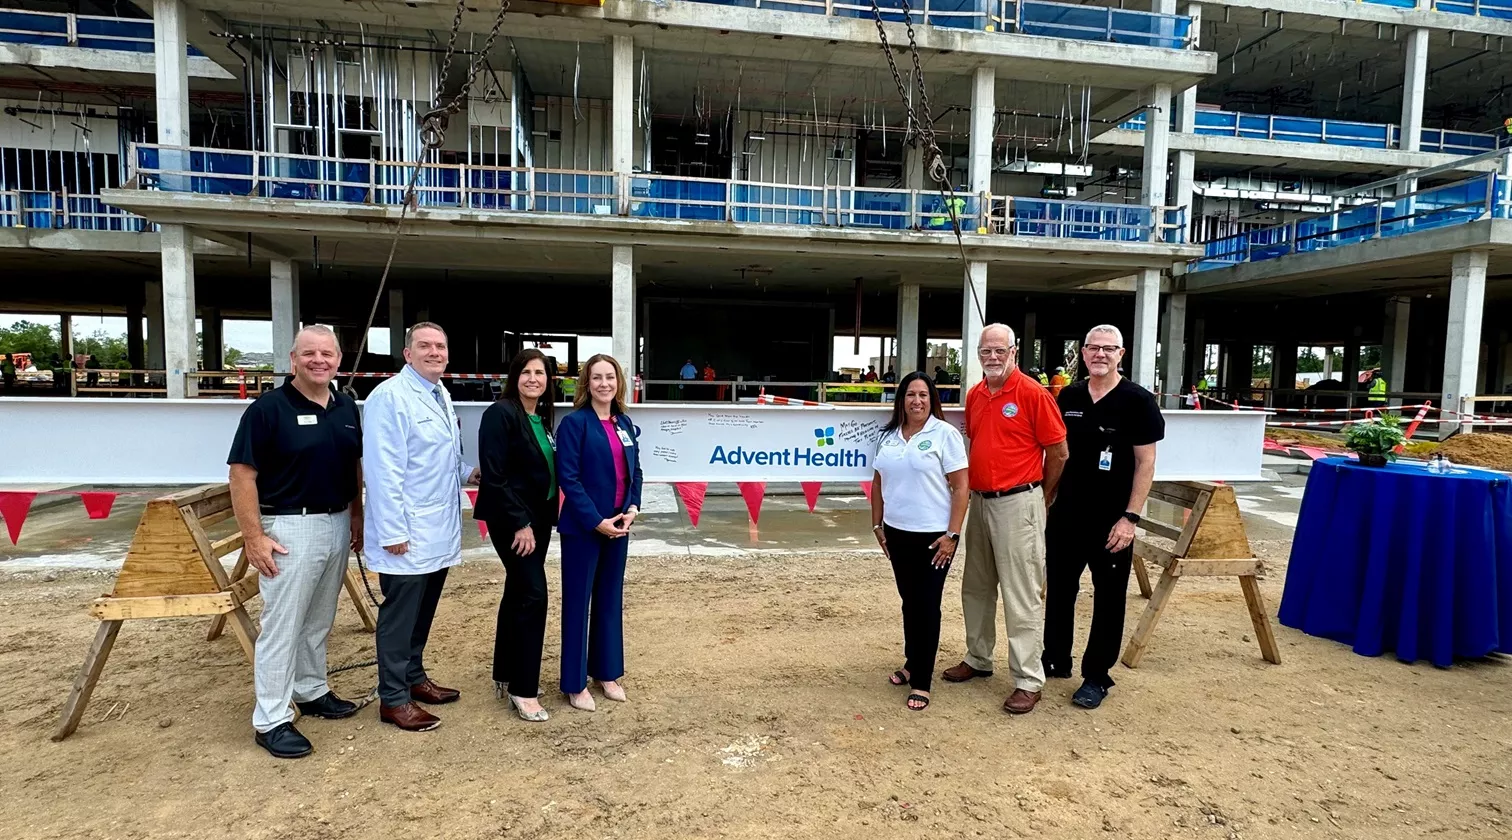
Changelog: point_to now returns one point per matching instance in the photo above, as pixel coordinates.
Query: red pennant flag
(866, 489)
(98, 503)
(811, 493)
(14, 505)
(752, 491)
(472, 495)
(482, 529)
(692, 495)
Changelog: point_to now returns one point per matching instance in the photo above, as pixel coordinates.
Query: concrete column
(284, 281)
(1173, 349)
(913, 168)
(908, 329)
(1197, 361)
(972, 321)
(1414, 85)
(1146, 321)
(1283, 370)
(622, 317)
(1157, 146)
(135, 349)
(983, 103)
(1394, 345)
(66, 350)
(180, 355)
(1027, 356)
(1328, 370)
(1186, 123)
(1467, 295)
(623, 125)
(1352, 370)
(171, 57)
(213, 354)
(155, 343)
(1240, 375)
(397, 326)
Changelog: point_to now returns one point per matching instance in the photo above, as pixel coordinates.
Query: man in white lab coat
(412, 464)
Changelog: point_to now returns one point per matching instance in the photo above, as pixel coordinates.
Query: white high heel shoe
(537, 716)
(582, 702)
(614, 691)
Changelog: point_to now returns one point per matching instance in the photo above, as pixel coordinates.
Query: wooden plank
(1160, 529)
(89, 676)
(221, 547)
(1265, 634)
(359, 596)
(201, 541)
(1216, 568)
(163, 558)
(211, 504)
(1193, 522)
(1140, 641)
(162, 606)
(245, 632)
(196, 494)
(1179, 493)
(245, 588)
(1146, 551)
(216, 518)
(1221, 533)
(218, 623)
(1142, 575)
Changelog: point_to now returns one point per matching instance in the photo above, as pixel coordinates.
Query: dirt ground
(759, 708)
(1479, 450)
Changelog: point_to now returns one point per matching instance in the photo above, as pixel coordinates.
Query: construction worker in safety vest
(1059, 381)
(1040, 376)
(1377, 388)
(956, 203)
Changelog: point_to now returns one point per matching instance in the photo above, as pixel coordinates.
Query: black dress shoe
(1090, 695)
(328, 706)
(284, 741)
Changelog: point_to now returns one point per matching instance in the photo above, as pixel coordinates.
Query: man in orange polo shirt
(1018, 449)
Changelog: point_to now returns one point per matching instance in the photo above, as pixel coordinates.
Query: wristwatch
(1131, 516)
(954, 537)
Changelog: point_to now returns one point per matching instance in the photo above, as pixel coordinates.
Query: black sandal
(916, 698)
(898, 678)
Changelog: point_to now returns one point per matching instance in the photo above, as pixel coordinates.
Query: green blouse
(548, 449)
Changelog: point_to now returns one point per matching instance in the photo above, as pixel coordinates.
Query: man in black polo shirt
(295, 487)
(1112, 426)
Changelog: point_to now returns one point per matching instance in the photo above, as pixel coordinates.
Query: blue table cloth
(1399, 559)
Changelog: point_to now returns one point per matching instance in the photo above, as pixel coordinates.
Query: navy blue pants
(593, 608)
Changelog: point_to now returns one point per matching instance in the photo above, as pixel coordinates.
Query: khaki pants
(1005, 553)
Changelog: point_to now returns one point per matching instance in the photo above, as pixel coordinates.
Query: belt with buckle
(1011, 491)
(270, 510)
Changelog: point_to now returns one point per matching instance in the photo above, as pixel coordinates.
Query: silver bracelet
(876, 527)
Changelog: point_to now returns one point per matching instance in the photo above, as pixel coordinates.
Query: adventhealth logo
(804, 456)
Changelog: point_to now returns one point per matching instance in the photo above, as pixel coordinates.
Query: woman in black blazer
(518, 500)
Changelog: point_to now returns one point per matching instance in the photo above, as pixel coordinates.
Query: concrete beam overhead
(1284, 154)
(1359, 18)
(78, 64)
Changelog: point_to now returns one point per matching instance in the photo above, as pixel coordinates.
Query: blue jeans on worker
(593, 595)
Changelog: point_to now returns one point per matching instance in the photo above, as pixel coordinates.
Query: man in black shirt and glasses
(1112, 426)
(296, 489)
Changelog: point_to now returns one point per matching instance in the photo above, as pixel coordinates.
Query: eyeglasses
(991, 352)
(1105, 349)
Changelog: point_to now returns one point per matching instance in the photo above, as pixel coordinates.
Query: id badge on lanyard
(1105, 460)
(624, 437)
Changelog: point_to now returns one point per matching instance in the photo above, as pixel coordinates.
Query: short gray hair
(1105, 328)
(1012, 340)
(409, 335)
(316, 329)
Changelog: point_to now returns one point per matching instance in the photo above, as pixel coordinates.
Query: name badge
(308, 419)
(1105, 460)
(624, 437)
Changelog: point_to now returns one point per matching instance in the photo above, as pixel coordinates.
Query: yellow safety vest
(1378, 391)
(959, 205)
(1044, 380)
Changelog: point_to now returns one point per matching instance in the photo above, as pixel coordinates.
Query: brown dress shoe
(962, 673)
(1021, 702)
(409, 717)
(429, 692)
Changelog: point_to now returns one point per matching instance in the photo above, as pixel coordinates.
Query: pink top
(621, 472)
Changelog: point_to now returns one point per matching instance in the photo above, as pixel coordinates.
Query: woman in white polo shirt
(919, 496)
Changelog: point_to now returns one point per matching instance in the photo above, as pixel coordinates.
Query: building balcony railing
(1485, 196)
(1334, 132)
(63, 210)
(1026, 17)
(1482, 8)
(529, 190)
(58, 29)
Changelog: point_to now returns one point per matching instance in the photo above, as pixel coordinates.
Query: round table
(1400, 559)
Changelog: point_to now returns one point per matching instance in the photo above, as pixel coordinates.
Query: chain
(433, 125)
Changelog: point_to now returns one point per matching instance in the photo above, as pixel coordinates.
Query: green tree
(953, 361)
(40, 340)
(232, 356)
(109, 350)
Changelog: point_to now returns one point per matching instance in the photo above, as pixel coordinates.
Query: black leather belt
(270, 510)
(1011, 491)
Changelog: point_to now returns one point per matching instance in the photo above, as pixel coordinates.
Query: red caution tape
(811, 493)
(752, 492)
(692, 495)
(98, 503)
(14, 505)
(866, 489)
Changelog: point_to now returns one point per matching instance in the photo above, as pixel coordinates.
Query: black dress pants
(920, 585)
(1076, 539)
(404, 624)
(520, 632)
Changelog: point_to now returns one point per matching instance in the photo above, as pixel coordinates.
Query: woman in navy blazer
(598, 467)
